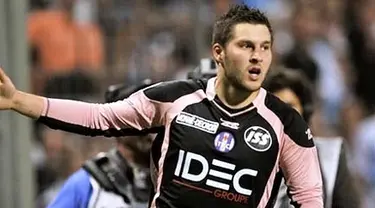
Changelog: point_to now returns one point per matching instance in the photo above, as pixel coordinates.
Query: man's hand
(11, 99)
(7, 91)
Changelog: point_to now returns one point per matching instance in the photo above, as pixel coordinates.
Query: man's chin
(253, 86)
(247, 85)
(254, 89)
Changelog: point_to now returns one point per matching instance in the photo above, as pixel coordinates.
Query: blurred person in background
(64, 37)
(340, 191)
(65, 153)
(316, 57)
(360, 30)
(299, 58)
(117, 178)
(58, 153)
(364, 158)
(146, 45)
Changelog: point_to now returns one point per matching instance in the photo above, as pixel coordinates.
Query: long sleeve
(300, 165)
(135, 114)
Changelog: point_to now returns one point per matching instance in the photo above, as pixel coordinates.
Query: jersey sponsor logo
(258, 138)
(197, 122)
(224, 142)
(229, 124)
(216, 174)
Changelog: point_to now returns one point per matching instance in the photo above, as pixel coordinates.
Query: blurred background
(75, 49)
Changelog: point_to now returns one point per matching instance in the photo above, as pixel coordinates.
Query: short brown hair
(222, 31)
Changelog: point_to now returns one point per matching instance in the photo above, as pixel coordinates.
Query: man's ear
(218, 53)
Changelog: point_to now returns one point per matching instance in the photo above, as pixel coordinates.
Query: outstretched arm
(129, 116)
(28, 104)
(24, 103)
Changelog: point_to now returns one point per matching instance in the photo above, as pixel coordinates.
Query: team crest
(224, 142)
(258, 138)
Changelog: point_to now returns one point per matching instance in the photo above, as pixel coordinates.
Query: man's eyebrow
(247, 41)
(252, 42)
(266, 42)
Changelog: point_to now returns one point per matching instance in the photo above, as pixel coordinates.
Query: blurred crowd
(80, 47)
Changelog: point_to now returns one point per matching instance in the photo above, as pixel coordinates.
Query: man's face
(247, 56)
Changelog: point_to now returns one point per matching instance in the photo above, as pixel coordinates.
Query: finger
(2, 75)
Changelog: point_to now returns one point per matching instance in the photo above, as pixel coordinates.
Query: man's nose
(255, 57)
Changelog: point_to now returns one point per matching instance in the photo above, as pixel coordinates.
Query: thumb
(2, 75)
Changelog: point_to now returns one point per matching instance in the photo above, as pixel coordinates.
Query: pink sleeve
(302, 174)
(135, 113)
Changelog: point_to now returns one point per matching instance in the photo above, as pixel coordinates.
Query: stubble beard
(233, 77)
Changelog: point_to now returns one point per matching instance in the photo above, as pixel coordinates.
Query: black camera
(121, 91)
(205, 69)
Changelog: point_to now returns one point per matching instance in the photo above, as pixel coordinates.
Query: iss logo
(224, 142)
(258, 138)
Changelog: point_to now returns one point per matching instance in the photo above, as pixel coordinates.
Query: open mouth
(254, 71)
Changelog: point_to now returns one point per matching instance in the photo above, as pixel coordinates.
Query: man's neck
(232, 96)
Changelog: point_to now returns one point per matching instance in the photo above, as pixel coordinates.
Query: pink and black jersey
(206, 154)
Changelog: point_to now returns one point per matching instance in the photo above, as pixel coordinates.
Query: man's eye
(246, 46)
(266, 48)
